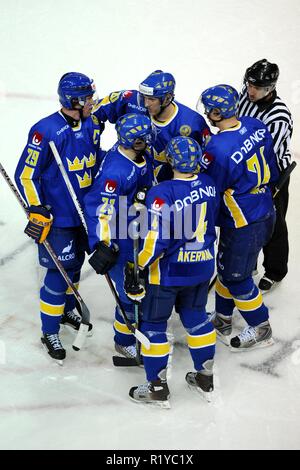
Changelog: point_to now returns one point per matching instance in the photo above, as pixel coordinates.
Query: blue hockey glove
(104, 257)
(135, 291)
(40, 221)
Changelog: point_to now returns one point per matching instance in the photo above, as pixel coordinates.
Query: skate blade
(59, 362)
(122, 361)
(206, 396)
(223, 338)
(153, 403)
(260, 345)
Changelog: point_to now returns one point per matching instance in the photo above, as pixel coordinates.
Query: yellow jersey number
(107, 206)
(261, 168)
(32, 158)
(201, 229)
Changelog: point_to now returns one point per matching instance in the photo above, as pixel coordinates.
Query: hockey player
(259, 99)
(177, 258)
(126, 169)
(170, 118)
(51, 211)
(241, 160)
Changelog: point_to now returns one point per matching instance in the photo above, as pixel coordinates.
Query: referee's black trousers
(276, 252)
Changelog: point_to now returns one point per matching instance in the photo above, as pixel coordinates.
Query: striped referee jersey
(277, 117)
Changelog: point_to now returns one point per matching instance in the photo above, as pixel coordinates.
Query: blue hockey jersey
(179, 244)
(242, 163)
(37, 175)
(109, 206)
(184, 121)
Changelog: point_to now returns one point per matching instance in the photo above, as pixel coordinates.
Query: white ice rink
(85, 404)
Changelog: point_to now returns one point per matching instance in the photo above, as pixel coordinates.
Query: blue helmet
(131, 127)
(158, 84)
(74, 86)
(225, 98)
(183, 154)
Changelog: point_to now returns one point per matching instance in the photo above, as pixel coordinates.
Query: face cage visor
(81, 100)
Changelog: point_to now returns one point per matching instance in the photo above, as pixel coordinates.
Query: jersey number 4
(201, 229)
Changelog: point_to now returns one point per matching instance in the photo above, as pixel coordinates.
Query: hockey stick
(119, 361)
(142, 338)
(283, 178)
(84, 312)
(136, 280)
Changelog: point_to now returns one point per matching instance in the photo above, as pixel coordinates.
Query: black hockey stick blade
(119, 361)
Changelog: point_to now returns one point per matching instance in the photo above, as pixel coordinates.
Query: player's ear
(168, 99)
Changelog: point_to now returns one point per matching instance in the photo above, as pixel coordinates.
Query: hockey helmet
(158, 84)
(133, 126)
(73, 87)
(262, 74)
(183, 154)
(225, 98)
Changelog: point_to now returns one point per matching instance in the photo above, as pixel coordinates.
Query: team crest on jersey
(114, 96)
(127, 94)
(185, 130)
(37, 138)
(206, 136)
(157, 204)
(110, 186)
(95, 119)
(206, 159)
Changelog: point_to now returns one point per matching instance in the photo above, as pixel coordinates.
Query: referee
(259, 99)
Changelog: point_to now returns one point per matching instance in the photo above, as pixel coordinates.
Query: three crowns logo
(85, 181)
(77, 164)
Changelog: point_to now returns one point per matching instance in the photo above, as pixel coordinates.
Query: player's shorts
(158, 304)
(69, 245)
(238, 249)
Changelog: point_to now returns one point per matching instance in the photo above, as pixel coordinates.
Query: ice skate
(54, 347)
(154, 393)
(202, 381)
(223, 327)
(126, 351)
(253, 337)
(73, 320)
(128, 358)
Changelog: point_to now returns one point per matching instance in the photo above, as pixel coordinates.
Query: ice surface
(85, 404)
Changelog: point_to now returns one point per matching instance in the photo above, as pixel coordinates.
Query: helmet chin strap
(214, 122)
(79, 109)
(162, 106)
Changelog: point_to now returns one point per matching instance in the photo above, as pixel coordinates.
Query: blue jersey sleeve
(200, 131)
(216, 166)
(117, 104)
(155, 242)
(101, 206)
(34, 159)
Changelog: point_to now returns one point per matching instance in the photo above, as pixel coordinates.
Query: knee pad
(241, 289)
(55, 282)
(190, 317)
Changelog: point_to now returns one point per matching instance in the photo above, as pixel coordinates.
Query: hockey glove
(40, 221)
(104, 257)
(135, 291)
